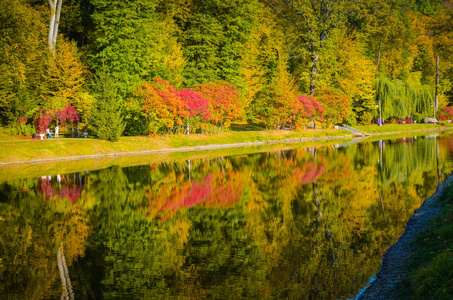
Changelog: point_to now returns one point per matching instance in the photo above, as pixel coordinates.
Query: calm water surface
(306, 223)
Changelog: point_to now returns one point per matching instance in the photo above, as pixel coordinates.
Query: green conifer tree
(106, 120)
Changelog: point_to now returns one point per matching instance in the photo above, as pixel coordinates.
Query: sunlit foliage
(276, 109)
(358, 48)
(401, 98)
(224, 103)
(163, 108)
(336, 105)
(198, 107)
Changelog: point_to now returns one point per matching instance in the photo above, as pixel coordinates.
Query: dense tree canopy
(368, 51)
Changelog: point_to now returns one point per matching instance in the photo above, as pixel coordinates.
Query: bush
(306, 110)
(224, 104)
(162, 107)
(366, 118)
(419, 118)
(351, 119)
(23, 127)
(198, 108)
(274, 108)
(445, 113)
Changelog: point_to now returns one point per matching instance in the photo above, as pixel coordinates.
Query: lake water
(302, 223)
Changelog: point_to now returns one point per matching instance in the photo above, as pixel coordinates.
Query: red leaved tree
(67, 114)
(276, 107)
(308, 109)
(224, 104)
(46, 115)
(198, 108)
(43, 120)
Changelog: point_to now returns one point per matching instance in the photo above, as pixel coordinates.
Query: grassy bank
(17, 171)
(30, 150)
(373, 129)
(15, 149)
(430, 268)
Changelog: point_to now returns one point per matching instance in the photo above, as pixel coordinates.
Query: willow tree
(399, 99)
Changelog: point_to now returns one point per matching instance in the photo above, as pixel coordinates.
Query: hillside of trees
(178, 66)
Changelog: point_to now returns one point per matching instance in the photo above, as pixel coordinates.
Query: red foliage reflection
(72, 193)
(309, 172)
(199, 192)
(215, 190)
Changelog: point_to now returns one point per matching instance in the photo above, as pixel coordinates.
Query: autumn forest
(148, 67)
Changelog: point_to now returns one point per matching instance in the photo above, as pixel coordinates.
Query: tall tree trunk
(437, 84)
(66, 292)
(55, 11)
(314, 69)
(57, 22)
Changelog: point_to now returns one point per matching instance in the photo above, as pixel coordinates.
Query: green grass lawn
(14, 149)
(232, 137)
(400, 127)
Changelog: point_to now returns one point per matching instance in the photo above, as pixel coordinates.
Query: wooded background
(360, 51)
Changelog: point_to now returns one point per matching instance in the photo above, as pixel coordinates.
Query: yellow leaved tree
(66, 72)
(350, 71)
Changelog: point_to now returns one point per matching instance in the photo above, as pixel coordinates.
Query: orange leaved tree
(162, 107)
(335, 104)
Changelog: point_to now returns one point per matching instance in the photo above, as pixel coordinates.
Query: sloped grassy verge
(430, 268)
(15, 149)
(63, 148)
(374, 129)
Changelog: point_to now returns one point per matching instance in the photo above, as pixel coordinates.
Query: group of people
(380, 122)
(49, 133)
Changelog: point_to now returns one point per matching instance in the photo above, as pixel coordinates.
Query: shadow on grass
(246, 127)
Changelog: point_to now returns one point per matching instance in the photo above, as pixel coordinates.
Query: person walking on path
(56, 131)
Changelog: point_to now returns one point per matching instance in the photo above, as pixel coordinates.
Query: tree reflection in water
(311, 223)
(67, 187)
